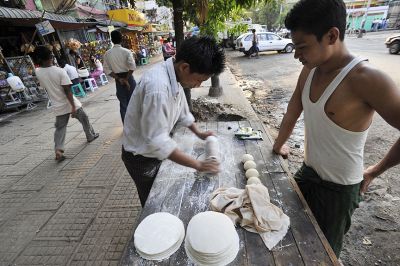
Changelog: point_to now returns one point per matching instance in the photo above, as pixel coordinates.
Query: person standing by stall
(58, 85)
(338, 94)
(71, 71)
(119, 64)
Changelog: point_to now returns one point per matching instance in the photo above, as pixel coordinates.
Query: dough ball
(247, 157)
(249, 165)
(253, 180)
(251, 173)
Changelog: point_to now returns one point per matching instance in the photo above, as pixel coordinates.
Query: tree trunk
(178, 25)
(178, 21)
(188, 95)
(215, 89)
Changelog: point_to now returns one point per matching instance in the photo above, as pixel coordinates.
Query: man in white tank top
(339, 95)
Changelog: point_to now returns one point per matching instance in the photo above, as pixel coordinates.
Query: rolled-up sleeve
(186, 119)
(154, 124)
(106, 66)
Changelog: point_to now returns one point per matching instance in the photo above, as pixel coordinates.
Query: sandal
(60, 156)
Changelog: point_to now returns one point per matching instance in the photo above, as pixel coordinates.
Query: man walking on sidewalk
(58, 85)
(119, 64)
(159, 104)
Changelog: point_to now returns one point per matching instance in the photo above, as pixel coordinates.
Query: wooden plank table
(184, 193)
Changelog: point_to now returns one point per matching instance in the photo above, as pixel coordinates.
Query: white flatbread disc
(210, 232)
(158, 236)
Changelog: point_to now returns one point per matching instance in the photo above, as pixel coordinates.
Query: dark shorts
(332, 204)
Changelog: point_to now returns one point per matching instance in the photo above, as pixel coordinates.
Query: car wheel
(2, 106)
(289, 48)
(394, 48)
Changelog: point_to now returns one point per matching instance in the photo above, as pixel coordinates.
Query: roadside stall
(194, 201)
(133, 36)
(24, 32)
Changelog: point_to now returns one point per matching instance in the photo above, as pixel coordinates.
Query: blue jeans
(124, 94)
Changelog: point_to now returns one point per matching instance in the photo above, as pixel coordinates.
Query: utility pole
(364, 19)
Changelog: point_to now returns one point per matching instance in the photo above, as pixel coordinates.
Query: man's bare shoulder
(367, 78)
(376, 89)
(303, 78)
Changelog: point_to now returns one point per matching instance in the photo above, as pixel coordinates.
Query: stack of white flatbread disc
(211, 239)
(158, 236)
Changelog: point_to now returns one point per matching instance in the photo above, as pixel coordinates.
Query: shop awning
(108, 22)
(87, 11)
(28, 18)
(133, 28)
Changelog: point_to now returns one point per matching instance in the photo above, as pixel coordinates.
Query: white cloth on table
(251, 208)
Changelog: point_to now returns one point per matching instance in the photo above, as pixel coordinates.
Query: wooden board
(183, 192)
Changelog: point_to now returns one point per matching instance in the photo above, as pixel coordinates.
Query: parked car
(267, 41)
(393, 43)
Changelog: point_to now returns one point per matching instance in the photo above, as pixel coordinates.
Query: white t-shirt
(99, 65)
(71, 71)
(52, 78)
(118, 60)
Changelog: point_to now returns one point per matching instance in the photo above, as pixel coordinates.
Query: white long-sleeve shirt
(158, 103)
(118, 60)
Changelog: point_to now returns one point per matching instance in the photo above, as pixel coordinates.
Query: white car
(267, 41)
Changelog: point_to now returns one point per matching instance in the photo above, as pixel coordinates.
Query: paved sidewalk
(80, 211)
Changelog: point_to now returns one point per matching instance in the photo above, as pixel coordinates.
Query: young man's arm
(132, 66)
(154, 125)
(66, 83)
(294, 109)
(70, 98)
(391, 159)
(202, 166)
(198, 133)
(379, 91)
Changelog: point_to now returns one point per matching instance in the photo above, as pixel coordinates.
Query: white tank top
(336, 154)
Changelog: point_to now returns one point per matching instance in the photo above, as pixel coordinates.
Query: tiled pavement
(77, 212)
(81, 211)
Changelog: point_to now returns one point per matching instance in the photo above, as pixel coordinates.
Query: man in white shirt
(119, 64)
(71, 71)
(58, 85)
(159, 104)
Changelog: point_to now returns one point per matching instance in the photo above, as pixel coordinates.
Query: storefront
(133, 37)
(17, 43)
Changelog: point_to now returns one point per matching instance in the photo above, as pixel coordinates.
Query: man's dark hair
(317, 17)
(202, 54)
(42, 54)
(116, 37)
(165, 41)
(253, 30)
(62, 62)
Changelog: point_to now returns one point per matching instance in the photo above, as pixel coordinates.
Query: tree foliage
(270, 13)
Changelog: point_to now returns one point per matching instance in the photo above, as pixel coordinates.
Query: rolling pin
(212, 148)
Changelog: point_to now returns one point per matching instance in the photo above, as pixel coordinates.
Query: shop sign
(128, 16)
(44, 28)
